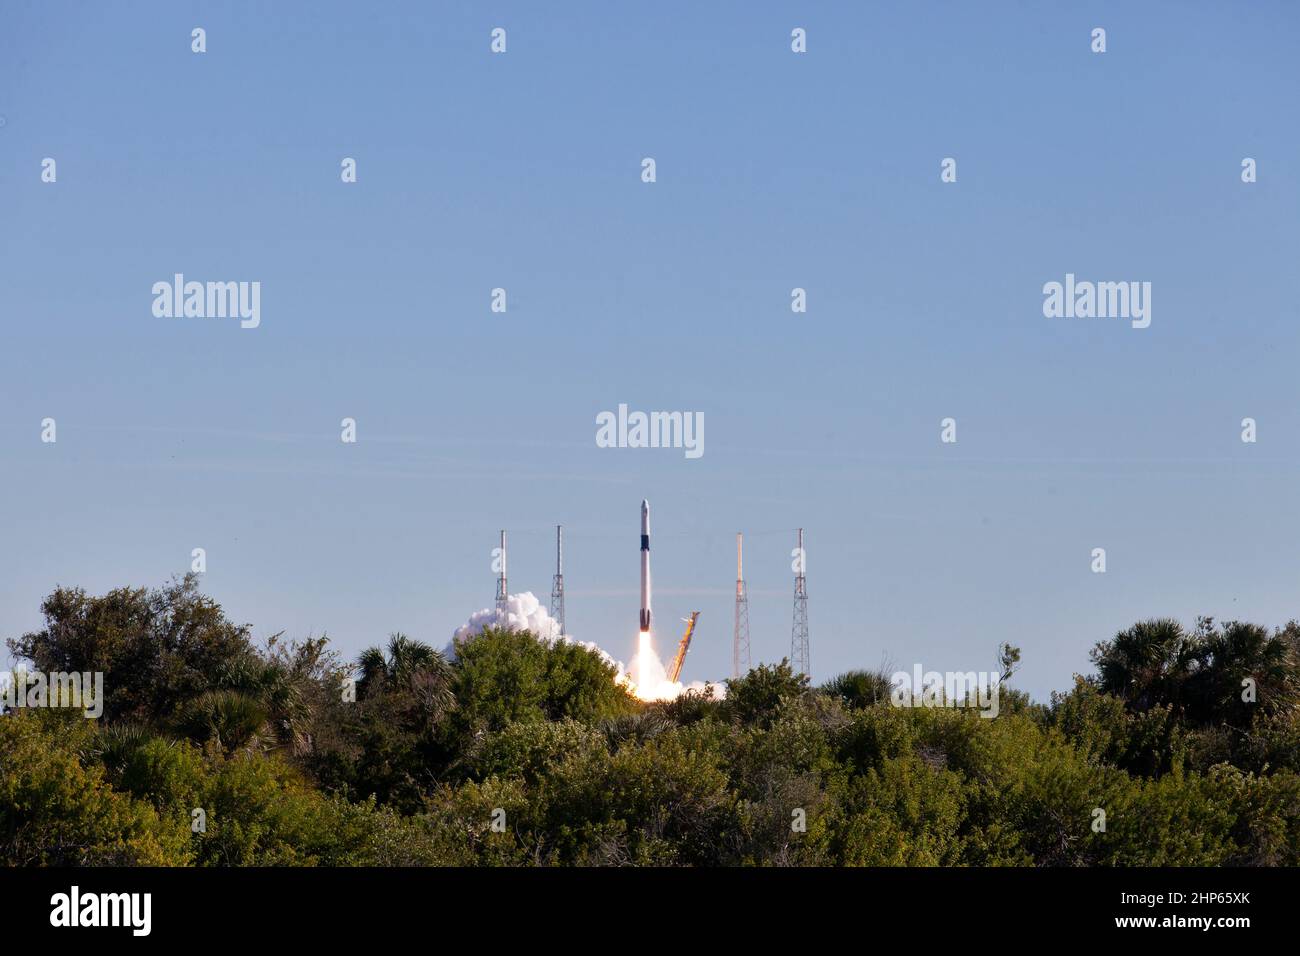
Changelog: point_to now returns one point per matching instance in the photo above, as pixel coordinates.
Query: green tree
(1243, 672)
(504, 677)
(55, 811)
(157, 648)
(1147, 664)
(759, 696)
(859, 688)
(410, 667)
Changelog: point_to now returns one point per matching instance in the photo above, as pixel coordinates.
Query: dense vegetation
(518, 753)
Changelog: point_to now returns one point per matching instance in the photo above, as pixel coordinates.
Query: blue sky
(775, 170)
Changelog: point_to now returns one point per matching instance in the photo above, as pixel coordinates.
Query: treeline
(1183, 748)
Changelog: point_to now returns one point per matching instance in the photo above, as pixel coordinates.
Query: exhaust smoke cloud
(646, 678)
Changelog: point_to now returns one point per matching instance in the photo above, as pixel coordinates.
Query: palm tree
(230, 717)
(860, 688)
(114, 743)
(409, 666)
(1235, 657)
(1148, 664)
(282, 683)
(635, 728)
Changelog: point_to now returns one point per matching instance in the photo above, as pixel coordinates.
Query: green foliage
(509, 677)
(391, 742)
(260, 814)
(228, 718)
(114, 743)
(56, 812)
(1266, 828)
(159, 647)
(168, 774)
(1202, 676)
(411, 668)
(1230, 657)
(691, 706)
(522, 753)
(665, 802)
(759, 696)
(873, 735)
(1144, 742)
(527, 750)
(903, 812)
(858, 689)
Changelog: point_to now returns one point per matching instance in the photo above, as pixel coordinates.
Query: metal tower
(557, 586)
(502, 591)
(799, 633)
(740, 644)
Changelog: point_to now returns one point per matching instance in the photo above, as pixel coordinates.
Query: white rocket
(645, 565)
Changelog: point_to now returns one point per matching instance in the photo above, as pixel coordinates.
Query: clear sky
(775, 170)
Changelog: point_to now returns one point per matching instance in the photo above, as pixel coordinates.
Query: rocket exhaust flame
(646, 679)
(649, 676)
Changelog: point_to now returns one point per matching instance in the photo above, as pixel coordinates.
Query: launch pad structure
(799, 656)
(675, 669)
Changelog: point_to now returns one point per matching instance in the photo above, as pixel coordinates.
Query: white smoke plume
(524, 612)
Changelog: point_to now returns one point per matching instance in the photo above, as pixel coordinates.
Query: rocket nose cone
(645, 504)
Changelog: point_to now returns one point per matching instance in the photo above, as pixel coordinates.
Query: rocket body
(645, 565)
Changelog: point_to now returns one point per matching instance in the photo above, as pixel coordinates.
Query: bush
(56, 812)
(511, 677)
